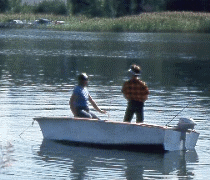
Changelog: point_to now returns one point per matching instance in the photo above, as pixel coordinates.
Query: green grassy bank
(145, 22)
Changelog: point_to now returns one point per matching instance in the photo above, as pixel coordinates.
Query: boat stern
(174, 141)
(181, 137)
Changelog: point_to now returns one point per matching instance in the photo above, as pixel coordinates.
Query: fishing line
(27, 128)
(108, 113)
(110, 91)
(180, 112)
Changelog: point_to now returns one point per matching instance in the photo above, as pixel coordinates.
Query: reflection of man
(134, 172)
(79, 167)
(2, 61)
(136, 92)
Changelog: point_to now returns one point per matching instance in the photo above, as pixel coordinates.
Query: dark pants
(84, 112)
(134, 107)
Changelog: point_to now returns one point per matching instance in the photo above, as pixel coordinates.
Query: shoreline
(160, 22)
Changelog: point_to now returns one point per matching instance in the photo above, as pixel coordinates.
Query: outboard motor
(184, 125)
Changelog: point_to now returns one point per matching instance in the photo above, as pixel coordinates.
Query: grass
(145, 22)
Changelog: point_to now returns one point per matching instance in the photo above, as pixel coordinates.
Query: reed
(145, 22)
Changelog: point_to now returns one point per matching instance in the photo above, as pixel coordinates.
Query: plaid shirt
(136, 90)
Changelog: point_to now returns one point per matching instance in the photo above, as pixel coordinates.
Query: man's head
(82, 79)
(135, 70)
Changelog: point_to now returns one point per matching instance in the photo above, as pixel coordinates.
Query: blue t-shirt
(82, 96)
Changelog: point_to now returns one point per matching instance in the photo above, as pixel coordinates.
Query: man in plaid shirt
(136, 92)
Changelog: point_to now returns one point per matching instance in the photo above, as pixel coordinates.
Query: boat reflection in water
(86, 162)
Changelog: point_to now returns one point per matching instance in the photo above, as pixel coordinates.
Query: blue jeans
(84, 112)
(134, 107)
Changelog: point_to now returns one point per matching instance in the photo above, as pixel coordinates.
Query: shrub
(4, 5)
(51, 7)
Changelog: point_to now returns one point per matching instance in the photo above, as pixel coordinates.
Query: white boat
(122, 135)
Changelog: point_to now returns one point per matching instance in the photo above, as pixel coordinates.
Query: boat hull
(110, 134)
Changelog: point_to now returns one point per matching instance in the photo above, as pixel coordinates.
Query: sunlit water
(38, 72)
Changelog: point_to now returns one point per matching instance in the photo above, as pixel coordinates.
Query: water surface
(38, 72)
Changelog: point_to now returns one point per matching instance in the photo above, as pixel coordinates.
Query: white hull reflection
(133, 165)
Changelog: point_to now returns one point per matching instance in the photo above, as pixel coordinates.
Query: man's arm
(71, 103)
(93, 103)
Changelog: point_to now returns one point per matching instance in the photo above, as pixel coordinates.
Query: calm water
(38, 72)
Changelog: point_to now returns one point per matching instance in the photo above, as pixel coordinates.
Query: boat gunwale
(174, 128)
(106, 121)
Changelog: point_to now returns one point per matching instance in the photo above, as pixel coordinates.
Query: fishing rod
(180, 112)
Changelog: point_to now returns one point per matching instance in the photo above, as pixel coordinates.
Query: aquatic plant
(145, 22)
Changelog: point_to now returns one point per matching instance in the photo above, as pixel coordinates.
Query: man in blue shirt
(80, 98)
